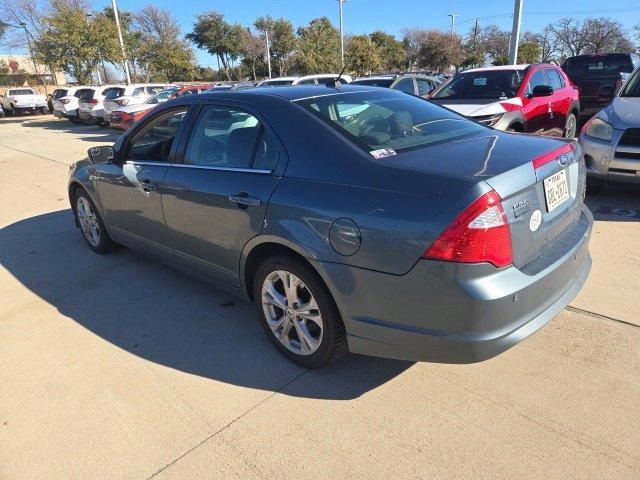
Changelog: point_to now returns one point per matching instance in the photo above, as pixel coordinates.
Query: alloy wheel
(570, 130)
(88, 221)
(292, 312)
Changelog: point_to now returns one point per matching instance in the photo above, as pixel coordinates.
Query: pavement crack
(599, 316)
(222, 429)
(35, 155)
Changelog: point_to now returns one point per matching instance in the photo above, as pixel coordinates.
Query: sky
(365, 16)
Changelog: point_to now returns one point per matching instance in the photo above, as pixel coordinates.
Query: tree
(318, 47)
(392, 52)
(252, 50)
(70, 40)
(494, 42)
(412, 38)
(163, 54)
(529, 52)
(213, 34)
(362, 54)
(593, 35)
(439, 50)
(282, 40)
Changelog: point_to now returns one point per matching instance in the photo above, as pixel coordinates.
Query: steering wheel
(368, 125)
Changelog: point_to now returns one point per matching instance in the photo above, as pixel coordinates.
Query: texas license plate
(556, 190)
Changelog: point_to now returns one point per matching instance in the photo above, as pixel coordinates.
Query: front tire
(298, 313)
(91, 225)
(570, 126)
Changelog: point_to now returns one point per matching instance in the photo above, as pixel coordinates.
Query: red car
(537, 98)
(123, 117)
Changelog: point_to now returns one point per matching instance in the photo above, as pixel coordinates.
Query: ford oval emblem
(562, 159)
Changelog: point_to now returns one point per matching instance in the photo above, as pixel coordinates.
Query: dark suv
(599, 77)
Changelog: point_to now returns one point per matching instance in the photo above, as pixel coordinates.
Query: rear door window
(405, 85)
(155, 89)
(137, 92)
(538, 78)
(424, 86)
(113, 93)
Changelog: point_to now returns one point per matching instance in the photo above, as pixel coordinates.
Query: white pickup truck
(21, 100)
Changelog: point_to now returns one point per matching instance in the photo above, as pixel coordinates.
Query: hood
(624, 112)
(136, 108)
(477, 108)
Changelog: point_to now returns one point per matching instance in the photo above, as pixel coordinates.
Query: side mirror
(101, 155)
(542, 91)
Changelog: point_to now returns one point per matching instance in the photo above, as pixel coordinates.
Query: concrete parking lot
(118, 367)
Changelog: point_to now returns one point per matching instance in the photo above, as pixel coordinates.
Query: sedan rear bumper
(454, 313)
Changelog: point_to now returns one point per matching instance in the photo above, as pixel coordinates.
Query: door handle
(147, 185)
(244, 199)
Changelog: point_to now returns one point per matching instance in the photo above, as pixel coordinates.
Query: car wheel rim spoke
(88, 221)
(291, 312)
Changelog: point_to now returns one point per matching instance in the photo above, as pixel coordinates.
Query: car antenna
(335, 82)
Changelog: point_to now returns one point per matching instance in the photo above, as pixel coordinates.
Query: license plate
(556, 190)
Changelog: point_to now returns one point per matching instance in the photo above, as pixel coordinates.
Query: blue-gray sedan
(356, 218)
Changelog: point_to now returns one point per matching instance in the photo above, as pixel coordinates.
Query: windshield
(387, 123)
(374, 82)
(632, 87)
(163, 96)
(112, 93)
(599, 64)
(23, 91)
(276, 83)
(488, 84)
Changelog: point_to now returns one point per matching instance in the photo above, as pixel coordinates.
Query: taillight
(122, 101)
(93, 101)
(552, 155)
(479, 234)
(64, 101)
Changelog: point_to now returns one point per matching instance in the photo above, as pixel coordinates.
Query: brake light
(479, 234)
(122, 101)
(64, 101)
(552, 155)
(93, 101)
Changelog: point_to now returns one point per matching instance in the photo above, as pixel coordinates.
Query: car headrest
(240, 146)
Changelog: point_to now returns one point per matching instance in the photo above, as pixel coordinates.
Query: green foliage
(218, 37)
(362, 55)
(392, 53)
(439, 51)
(318, 47)
(282, 40)
(529, 52)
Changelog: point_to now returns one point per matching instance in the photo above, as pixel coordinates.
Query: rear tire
(307, 327)
(595, 187)
(91, 224)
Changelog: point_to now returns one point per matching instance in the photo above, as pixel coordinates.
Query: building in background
(18, 70)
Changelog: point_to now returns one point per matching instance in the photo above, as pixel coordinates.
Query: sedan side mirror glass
(542, 91)
(101, 155)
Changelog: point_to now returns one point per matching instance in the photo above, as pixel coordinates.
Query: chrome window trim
(201, 167)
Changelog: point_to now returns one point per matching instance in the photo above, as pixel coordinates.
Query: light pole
(515, 32)
(453, 21)
(124, 54)
(266, 36)
(340, 2)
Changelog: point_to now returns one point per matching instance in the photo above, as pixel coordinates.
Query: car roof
(291, 93)
(498, 67)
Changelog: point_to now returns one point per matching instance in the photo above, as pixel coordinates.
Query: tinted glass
(80, 93)
(138, 91)
(378, 120)
(154, 143)
(22, 91)
(113, 92)
(230, 138)
(373, 82)
(538, 78)
(632, 86)
(599, 64)
(155, 89)
(554, 79)
(310, 81)
(86, 95)
(59, 93)
(277, 83)
(405, 85)
(488, 84)
(424, 86)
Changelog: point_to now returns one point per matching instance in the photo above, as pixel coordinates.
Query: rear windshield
(388, 123)
(277, 83)
(600, 64)
(488, 84)
(374, 82)
(113, 92)
(59, 94)
(22, 91)
(86, 95)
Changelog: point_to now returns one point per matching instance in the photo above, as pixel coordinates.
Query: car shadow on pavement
(167, 317)
(616, 203)
(94, 133)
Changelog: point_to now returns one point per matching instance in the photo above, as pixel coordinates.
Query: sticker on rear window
(383, 152)
(480, 81)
